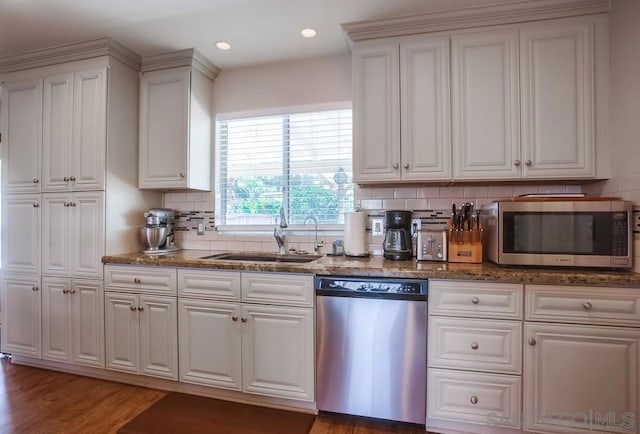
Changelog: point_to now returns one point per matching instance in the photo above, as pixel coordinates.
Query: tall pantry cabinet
(69, 124)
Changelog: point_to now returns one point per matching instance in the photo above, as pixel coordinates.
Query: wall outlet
(200, 229)
(377, 227)
(636, 222)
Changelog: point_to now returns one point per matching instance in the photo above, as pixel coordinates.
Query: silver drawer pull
(72, 178)
(475, 300)
(475, 346)
(65, 179)
(36, 181)
(532, 341)
(474, 400)
(587, 305)
(35, 288)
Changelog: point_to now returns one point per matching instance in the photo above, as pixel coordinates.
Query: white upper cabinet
(21, 135)
(401, 110)
(175, 121)
(486, 134)
(376, 112)
(557, 71)
(57, 131)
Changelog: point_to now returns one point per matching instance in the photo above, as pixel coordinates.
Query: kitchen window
(299, 160)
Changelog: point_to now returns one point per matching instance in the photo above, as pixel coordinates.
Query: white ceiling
(260, 31)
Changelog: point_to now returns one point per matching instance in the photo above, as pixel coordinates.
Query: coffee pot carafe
(397, 243)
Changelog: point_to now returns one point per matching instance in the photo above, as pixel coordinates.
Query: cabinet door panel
(278, 351)
(164, 124)
(56, 319)
(89, 130)
(56, 140)
(376, 120)
(88, 322)
(88, 241)
(580, 378)
(21, 315)
(21, 136)
(122, 332)
(425, 115)
(486, 134)
(57, 234)
(210, 349)
(557, 100)
(159, 336)
(21, 233)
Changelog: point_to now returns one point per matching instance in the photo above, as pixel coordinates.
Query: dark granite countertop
(376, 266)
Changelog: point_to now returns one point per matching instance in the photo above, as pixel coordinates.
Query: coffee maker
(157, 235)
(397, 243)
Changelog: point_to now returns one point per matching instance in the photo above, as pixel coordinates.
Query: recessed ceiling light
(308, 33)
(223, 45)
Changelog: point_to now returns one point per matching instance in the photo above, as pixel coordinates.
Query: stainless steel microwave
(585, 232)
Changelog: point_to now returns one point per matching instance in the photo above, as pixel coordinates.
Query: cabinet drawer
(157, 280)
(276, 288)
(476, 345)
(487, 399)
(476, 299)
(583, 305)
(221, 285)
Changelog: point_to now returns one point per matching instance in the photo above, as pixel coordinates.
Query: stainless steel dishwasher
(372, 347)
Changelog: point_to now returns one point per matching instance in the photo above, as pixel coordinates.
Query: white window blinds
(300, 161)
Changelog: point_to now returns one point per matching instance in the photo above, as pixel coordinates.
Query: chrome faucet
(317, 245)
(278, 232)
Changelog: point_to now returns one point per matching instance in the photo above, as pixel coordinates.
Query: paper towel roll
(355, 225)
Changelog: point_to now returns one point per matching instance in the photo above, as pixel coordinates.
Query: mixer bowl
(152, 237)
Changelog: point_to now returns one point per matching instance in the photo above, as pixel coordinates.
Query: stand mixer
(157, 235)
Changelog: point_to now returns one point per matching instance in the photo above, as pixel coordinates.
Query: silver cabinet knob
(475, 346)
(36, 205)
(587, 305)
(243, 319)
(65, 179)
(517, 163)
(36, 180)
(474, 400)
(406, 165)
(132, 308)
(528, 162)
(35, 288)
(395, 165)
(72, 178)
(136, 280)
(234, 318)
(181, 175)
(140, 309)
(65, 291)
(66, 204)
(532, 341)
(72, 204)
(72, 291)
(475, 300)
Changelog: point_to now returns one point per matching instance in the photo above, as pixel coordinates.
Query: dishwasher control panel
(371, 285)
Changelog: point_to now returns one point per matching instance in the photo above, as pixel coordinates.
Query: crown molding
(70, 53)
(478, 16)
(189, 57)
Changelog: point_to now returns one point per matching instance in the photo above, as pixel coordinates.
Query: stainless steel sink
(263, 257)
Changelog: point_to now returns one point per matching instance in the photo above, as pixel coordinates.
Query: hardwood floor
(40, 401)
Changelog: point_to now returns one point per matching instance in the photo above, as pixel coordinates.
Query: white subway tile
(382, 193)
(480, 191)
(362, 192)
(414, 204)
(525, 189)
(219, 245)
(235, 245)
(573, 188)
(503, 191)
(439, 204)
(394, 204)
(405, 193)
(252, 246)
(428, 192)
(451, 192)
(370, 203)
(551, 189)
(196, 245)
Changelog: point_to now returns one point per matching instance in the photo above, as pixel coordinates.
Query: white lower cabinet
(21, 315)
(73, 321)
(263, 348)
(581, 379)
(141, 334)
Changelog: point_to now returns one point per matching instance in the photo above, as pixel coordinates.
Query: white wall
(301, 82)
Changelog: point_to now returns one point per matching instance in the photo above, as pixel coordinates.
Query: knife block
(465, 247)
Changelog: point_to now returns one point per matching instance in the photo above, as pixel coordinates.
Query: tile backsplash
(195, 208)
